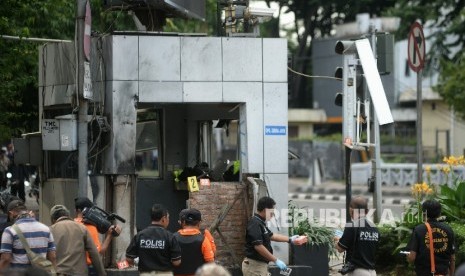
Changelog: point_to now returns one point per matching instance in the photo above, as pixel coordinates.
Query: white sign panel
(50, 134)
(375, 86)
(88, 94)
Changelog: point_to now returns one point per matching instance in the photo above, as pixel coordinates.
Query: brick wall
(210, 200)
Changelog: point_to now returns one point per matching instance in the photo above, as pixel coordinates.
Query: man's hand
(299, 240)
(280, 264)
(114, 230)
(411, 257)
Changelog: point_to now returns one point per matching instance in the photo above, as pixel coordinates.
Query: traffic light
(348, 98)
(385, 52)
(338, 74)
(359, 71)
(345, 47)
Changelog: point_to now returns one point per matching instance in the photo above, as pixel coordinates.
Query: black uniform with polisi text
(360, 239)
(257, 233)
(444, 247)
(156, 248)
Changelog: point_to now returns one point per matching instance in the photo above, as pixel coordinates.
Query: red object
(416, 47)
(122, 264)
(87, 30)
(204, 182)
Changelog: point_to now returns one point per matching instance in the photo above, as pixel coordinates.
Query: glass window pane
(148, 144)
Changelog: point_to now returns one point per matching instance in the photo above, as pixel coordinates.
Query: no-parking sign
(416, 47)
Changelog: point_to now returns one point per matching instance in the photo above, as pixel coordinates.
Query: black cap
(16, 204)
(192, 215)
(182, 214)
(82, 202)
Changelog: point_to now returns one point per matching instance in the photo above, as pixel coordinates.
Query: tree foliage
(53, 19)
(446, 19)
(18, 59)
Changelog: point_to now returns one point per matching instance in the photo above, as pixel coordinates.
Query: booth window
(148, 143)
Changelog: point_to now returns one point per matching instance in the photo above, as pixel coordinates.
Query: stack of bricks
(210, 200)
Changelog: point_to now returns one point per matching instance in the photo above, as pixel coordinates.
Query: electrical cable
(114, 20)
(309, 76)
(96, 154)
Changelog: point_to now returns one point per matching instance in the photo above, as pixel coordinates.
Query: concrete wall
(437, 117)
(328, 155)
(250, 73)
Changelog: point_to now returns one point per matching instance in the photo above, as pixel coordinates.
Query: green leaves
(54, 19)
(453, 201)
(459, 232)
(318, 235)
(460, 194)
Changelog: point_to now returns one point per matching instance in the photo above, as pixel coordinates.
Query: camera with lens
(100, 219)
(346, 268)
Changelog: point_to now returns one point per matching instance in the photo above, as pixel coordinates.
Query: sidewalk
(301, 188)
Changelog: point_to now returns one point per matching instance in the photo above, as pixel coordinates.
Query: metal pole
(83, 104)
(348, 182)
(313, 165)
(219, 23)
(377, 194)
(33, 39)
(419, 129)
(448, 149)
(450, 139)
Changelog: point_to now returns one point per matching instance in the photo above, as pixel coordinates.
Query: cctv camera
(259, 12)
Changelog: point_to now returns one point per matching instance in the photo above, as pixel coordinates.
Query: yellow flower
(428, 169)
(445, 170)
(414, 190)
(417, 189)
(461, 160)
(429, 191)
(445, 159)
(424, 187)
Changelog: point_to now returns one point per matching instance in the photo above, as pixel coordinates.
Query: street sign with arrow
(416, 47)
(416, 61)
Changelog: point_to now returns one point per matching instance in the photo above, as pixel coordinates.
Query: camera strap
(431, 248)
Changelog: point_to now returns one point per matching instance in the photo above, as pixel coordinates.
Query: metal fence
(405, 174)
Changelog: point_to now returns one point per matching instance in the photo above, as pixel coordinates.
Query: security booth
(163, 105)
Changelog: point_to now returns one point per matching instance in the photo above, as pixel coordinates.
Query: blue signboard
(275, 130)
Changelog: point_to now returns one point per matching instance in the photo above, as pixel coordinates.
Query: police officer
(443, 243)
(258, 250)
(359, 240)
(157, 248)
(195, 247)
